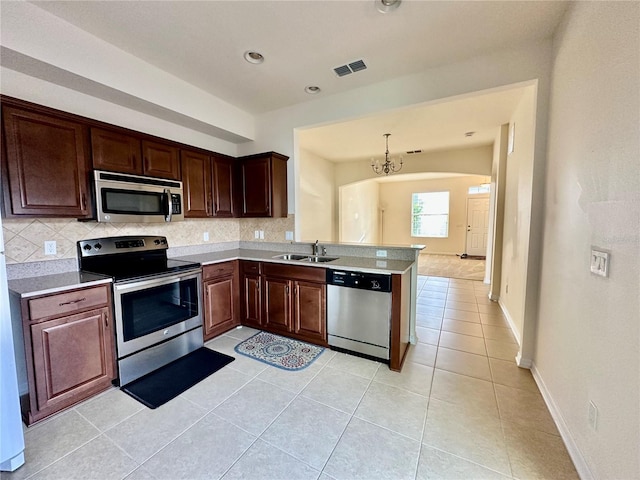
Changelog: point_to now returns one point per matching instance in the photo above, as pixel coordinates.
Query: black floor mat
(160, 386)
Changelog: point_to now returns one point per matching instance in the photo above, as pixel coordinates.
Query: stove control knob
(87, 247)
(164, 241)
(97, 246)
(157, 241)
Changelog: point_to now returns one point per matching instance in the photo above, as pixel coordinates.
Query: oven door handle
(167, 217)
(156, 281)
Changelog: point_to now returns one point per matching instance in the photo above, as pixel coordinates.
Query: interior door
(477, 225)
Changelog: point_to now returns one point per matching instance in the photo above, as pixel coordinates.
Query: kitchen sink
(305, 258)
(292, 256)
(316, 259)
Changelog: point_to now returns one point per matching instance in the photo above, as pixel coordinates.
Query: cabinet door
(310, 310)
(277, 304)
(161, 160)
(220, 312)
(252, 301)
(256, 188)
(47, 162)
(72, 358)
(116, 152)
(196, 184)
(222, 179)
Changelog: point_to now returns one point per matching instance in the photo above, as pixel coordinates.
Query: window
(430, 214)
(482, 188)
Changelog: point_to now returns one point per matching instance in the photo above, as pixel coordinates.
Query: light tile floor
(460, 409)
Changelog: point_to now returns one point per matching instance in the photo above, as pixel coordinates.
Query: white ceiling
(430, 127)
(302, 41)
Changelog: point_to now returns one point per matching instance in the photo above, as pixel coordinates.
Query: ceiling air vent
(413, 151)
(352, 67)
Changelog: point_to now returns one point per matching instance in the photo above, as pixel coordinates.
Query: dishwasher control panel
(376, 282)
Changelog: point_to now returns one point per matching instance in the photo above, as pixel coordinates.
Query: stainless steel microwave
(121, 197)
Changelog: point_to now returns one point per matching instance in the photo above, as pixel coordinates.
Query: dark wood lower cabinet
(285, 299)
(221, 298)
(69, 346)
(277, 305)
(251, 294)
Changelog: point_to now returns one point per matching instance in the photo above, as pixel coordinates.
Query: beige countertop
(46, 284)
(370, 265)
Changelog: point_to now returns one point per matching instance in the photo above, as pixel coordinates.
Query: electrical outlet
(261, 234)
(288, 235)
(256, 234)
(599, 262)
(50, 247)
(205, 236)
(381, 253)
(593, 415)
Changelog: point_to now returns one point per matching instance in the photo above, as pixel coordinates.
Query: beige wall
(359, 213)
(316, 196)
(395, 199)
(517, 214)
(588, 337)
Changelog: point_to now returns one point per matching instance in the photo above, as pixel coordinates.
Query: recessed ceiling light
(253, 57)
(386, 6)
(312, 89)
(469, 134)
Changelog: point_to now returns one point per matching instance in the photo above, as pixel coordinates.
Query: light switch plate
(205, 236)
(288, 235)
(599, 262)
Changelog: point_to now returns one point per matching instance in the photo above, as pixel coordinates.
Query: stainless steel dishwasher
(359, 312)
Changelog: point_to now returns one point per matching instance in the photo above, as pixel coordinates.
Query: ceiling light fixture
(386, 6)
(389, 166)
(312, 89)
(253, 57)
(469, 134)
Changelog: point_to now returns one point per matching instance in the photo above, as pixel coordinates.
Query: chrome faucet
(317, 249)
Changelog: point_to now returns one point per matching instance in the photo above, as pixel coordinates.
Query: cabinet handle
(287, 289)
(72, 301)
(106, 320)
(208, 205)
(83, 201)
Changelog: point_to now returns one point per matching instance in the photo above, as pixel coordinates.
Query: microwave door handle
(167, 217)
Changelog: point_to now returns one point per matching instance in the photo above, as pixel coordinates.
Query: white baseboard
(439, 253)
(511, 323)
(574, 452)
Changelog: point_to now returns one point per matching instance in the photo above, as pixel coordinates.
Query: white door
(477, 225)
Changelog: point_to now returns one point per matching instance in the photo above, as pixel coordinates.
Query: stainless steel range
(157, 300)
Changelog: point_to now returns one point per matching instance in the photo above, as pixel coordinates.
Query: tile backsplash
(24, 238)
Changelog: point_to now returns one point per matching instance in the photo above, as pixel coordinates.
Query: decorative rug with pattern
(281, 352)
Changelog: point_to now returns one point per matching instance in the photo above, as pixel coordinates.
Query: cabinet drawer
(218, 270)
(249, 266)
(312, 274)
(68, 302)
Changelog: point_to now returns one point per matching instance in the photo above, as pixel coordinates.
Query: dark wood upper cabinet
(115, 151)
(222, 182)
(207, 184)
(161, 160)
(263, 185)
(196, 184)
(47, 165)
(118, 151)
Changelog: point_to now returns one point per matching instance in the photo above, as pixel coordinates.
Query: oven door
(152, 311)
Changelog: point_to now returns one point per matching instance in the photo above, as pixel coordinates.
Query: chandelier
(389, 166)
